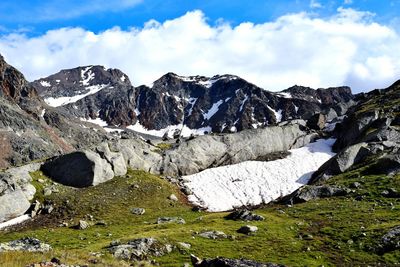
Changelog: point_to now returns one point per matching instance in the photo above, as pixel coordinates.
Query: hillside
(316, 183)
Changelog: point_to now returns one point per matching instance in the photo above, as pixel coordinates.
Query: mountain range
(182, 106)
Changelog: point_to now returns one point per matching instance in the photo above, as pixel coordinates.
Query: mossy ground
(345, 232)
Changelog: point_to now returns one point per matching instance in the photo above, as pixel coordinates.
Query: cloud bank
(348, 48)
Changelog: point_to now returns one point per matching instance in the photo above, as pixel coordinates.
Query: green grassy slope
(329, 232)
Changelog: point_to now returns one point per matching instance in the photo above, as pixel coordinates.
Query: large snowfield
(254, 182)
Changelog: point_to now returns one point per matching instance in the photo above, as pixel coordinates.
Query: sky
(272, 43)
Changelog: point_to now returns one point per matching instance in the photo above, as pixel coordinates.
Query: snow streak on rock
(60, 101)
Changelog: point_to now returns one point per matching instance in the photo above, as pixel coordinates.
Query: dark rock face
(317, 122)
(311, 192)
(222, 262)
(224, 103)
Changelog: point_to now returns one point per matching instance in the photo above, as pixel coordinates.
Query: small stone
(41, 181)
(47, 191)
(184, 245)
(47, 209)
(83, 225)
(355, 185)
(247, 229)
(138, 211)
(162, 220)
(55, 260)
(244, 215)
(213, 235)
(173, 197)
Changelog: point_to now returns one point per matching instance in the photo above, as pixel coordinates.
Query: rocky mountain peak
(70, 85)
(13, 85)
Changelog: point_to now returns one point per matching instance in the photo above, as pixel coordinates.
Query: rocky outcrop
(342, 161)
(388, 165)
(26, 244)
(391, 240)
(16, 191)
(85, 168)
(218, 150)
(223, 262)
(140, 249)
(312, 192)
(14, 199)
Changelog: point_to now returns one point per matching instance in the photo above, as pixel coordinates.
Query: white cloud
(348, 2)
(315, 4)
(348, 48)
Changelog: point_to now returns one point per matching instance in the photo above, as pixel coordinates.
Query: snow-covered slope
(254, 182)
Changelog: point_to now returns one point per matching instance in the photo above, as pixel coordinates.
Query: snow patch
(296, 108)
(191, 101)
(43, 112)
(214, 109)
(253, 182)
(14, 221)
(170, 130)
(45, 83)
(243, 102)
(207, 82)
(87, 75)
(278, 114)
(123, 78)
(97, 121)
(64, 100)
(285, 95)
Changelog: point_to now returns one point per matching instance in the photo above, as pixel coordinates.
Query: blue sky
(35, 17)
(272, 43)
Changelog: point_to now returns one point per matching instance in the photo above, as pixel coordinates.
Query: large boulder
(353, 128)
(341, 162)
(79, 169)
(137, 154)
(115, 159)
(15, 197)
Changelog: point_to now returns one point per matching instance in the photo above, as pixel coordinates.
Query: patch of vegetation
(336, 231)
(162, 147)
